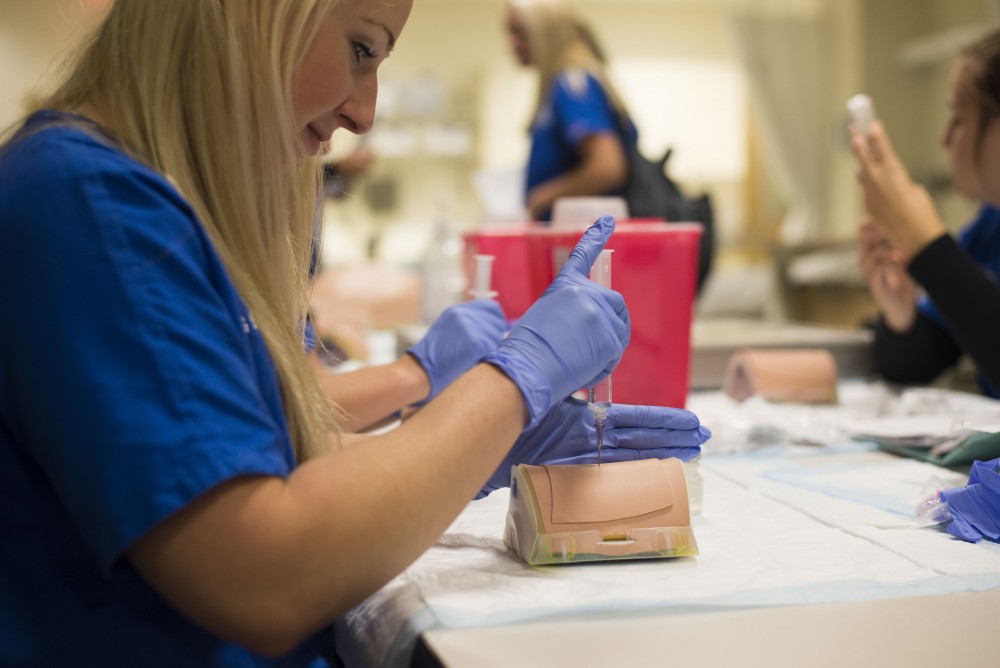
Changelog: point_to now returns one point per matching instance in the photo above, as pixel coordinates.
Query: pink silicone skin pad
(624, 510)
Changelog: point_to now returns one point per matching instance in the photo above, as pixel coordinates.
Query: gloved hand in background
(566, 435)
(975, 508)
(572, 337)
(457, 340)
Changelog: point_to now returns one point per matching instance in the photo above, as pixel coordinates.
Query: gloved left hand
(566, 435)
(457, 340)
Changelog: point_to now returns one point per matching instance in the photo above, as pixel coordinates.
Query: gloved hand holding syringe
(599, 396)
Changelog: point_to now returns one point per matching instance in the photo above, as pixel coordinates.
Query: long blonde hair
(560, 41)
(200, 90)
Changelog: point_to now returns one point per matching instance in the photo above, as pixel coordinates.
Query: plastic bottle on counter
(443, 277)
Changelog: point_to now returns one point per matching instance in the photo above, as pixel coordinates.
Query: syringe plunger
(483, 279)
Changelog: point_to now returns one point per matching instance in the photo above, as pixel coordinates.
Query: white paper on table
(917, 430)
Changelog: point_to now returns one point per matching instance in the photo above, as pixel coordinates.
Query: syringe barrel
(600, 393)
(600, 273)
(599, 396)
(484, 273)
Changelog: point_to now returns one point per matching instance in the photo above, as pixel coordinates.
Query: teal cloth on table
(981, 446)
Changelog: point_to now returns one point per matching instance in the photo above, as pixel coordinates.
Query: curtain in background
(789, 62)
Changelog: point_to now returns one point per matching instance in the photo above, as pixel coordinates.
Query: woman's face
(975, 168)
(336, 84)
(517, 36)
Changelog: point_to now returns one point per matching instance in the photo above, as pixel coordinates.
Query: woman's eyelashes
(362, 52)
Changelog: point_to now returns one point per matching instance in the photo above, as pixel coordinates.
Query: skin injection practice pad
(622, 510)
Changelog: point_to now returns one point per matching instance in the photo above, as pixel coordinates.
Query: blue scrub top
(132, 380)
(577, 107)
(981, 240)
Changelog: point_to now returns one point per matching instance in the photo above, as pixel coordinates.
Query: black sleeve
(916, 356)
(966, 297)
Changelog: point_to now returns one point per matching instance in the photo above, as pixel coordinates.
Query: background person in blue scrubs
(175, 488)
(577, 136)
(904, 243)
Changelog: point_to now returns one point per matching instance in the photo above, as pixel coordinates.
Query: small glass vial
(694, 485)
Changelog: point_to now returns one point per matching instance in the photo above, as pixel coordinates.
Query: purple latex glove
(975, 508)
(572, 337)
(457, 340)
(566, 436)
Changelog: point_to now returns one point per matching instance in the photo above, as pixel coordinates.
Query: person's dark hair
(985, 54)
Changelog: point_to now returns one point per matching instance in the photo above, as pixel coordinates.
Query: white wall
(671, 60)
(34, 35)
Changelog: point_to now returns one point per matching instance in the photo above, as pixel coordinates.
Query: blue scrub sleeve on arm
(582, 107)
(138, 374)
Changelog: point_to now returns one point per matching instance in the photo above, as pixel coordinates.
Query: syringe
(483, 279)
(599, 396)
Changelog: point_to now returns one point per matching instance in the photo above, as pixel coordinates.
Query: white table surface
(807, 557)
(934, 631)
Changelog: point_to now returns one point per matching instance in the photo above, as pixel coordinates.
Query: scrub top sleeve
(138, 374)
(582, 107)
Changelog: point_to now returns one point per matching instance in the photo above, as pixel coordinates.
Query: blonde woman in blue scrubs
(174, 487)
(580, 129)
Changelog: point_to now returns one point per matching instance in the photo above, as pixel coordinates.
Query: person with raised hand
(904, 244)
